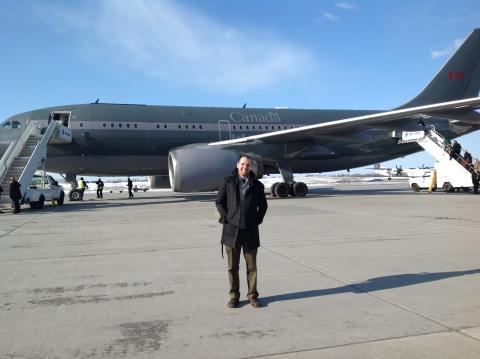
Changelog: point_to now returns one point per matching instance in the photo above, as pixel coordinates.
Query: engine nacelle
(159, 181)
(199, 168)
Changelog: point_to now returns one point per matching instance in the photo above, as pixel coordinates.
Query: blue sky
(298, 54)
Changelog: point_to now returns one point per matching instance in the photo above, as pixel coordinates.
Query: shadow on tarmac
(92, 204)
(371, 285)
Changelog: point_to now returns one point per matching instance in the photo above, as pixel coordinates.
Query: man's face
(243, 166)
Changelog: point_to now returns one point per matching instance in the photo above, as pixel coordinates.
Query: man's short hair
(246, 156)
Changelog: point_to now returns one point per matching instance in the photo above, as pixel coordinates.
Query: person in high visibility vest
(82, 185)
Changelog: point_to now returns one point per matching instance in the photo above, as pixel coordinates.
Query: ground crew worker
(242, 205)
(129, 185)
(15, 195)
(99, 188)
(82, 185)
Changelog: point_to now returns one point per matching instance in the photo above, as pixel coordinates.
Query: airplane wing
(348, 123)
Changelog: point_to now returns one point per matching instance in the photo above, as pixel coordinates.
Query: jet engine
(199, 167)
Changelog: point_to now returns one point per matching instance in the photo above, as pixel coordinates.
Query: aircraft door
(224, 130)
(63, 117)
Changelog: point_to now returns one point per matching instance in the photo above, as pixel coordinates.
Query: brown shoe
(254, 302)
(233, 303)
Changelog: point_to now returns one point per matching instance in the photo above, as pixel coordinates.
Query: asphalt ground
(350, 271)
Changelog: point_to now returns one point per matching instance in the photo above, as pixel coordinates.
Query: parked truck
(43, 188)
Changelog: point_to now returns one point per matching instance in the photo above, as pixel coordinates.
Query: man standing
(475, 181)
(99, 184)
(15, 195)
(129, 185)
(242, 205)
(82, 185)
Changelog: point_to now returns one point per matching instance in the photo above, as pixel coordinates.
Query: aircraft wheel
(300, 189)
(74, 195)
(447, 187)
(415, 187)
(282, 189)
(272, 189)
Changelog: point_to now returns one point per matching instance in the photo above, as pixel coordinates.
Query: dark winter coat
(228, 205)
(457, 148)
(15, 192)
(467, 157)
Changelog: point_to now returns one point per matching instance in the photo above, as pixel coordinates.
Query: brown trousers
(233, 255)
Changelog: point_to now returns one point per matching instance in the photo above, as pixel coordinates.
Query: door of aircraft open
(62, 117)
(224, 130)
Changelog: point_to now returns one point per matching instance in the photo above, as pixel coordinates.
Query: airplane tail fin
(459, 78)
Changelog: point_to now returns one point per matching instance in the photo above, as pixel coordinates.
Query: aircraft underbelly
(109, 165)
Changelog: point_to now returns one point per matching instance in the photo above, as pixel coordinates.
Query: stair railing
(36, 157)
(14, 149)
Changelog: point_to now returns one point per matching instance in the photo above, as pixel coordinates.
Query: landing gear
(300, 189)
(74, 195)
(289, 186)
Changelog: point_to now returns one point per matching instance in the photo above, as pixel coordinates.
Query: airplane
(191, 149)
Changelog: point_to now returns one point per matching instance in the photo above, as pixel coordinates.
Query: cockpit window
(12, 124)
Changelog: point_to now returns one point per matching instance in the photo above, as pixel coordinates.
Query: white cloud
(435, 54)
(176, 44)
(329, 16)
(345, 6)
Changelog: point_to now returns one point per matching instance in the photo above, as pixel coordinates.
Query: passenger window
(135, 125)
(128, 125)
(81, 124)
(120, 125)
(112, 125)
(200, 126)
(158, 126)
(180, 126)
(164, 126)
(104, 125)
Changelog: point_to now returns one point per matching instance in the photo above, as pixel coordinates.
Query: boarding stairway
(452, 173)
(26, 153)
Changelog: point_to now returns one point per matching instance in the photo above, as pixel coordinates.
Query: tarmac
(350, 271)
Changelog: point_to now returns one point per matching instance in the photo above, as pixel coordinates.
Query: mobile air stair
(23, 153)
(451, 174)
